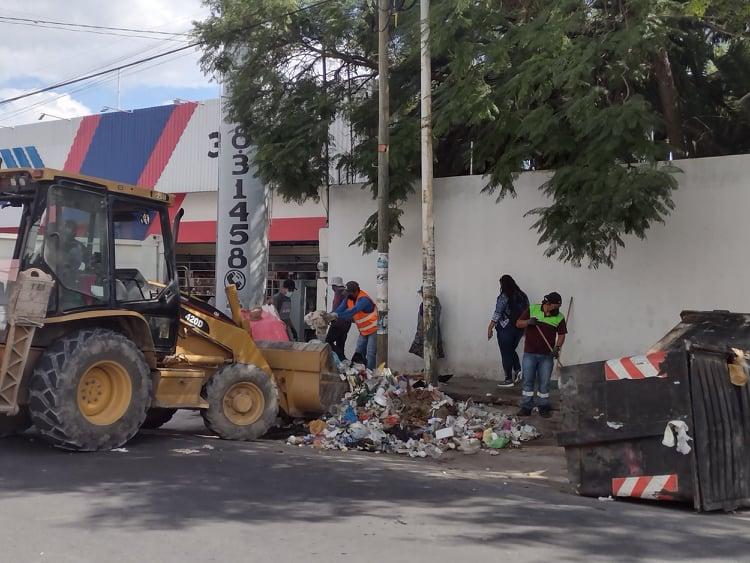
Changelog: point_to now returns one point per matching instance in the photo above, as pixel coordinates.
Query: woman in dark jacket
(509, 305)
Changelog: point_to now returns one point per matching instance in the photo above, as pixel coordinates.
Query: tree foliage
(599, 93)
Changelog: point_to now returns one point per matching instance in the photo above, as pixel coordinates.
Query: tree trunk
(669, 102)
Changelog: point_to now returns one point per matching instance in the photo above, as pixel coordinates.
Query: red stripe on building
(81, 143)
(288, 229)
(296, 229)
(632, 370)
(166, 144)
(197, 231)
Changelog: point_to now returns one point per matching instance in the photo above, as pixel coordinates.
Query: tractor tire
(16, 424)
(156, 418)
(90, 391)
(243, 402)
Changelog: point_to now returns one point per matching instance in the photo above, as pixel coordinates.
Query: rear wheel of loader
(90, 391)
(156, 418)
(12, 425)
(243, 402)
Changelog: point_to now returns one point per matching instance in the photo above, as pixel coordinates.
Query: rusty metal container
(619, 416)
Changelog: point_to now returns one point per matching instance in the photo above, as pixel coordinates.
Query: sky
(35, 56)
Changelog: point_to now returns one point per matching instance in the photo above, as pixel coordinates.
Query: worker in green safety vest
(544, 332)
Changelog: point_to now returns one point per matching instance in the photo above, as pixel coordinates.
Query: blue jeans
(367, 346)
(537, 372)
(508, 339)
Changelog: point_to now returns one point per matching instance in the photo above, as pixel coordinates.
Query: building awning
(292, 229)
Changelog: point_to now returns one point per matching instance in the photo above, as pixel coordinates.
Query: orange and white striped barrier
(634, 367)
(648, 487)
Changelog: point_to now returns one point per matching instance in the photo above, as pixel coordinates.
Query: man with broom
(544, 325)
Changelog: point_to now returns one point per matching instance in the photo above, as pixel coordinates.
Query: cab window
(141, 269)
(73, 233)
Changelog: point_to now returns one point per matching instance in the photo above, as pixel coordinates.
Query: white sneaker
(519, 376)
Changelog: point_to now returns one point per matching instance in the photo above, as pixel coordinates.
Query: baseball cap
(336, 280)
(554, 298)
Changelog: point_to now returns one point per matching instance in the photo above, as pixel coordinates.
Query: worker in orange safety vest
(360, 308)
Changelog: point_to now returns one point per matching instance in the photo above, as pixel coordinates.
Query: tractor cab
(107, 246)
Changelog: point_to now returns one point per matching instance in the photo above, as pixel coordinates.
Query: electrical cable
(107, 33)
(92, 84)
(35, 21)
(96, 74)
(142, 61)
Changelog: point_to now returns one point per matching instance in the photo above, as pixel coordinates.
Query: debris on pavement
(384, 412)
(186, 451)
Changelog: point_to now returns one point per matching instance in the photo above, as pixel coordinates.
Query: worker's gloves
(331, 317)
(556, 352)
(531, 322)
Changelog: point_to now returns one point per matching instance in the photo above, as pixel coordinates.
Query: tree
(597, 92)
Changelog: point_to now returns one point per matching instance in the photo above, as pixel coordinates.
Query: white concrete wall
(696, 261)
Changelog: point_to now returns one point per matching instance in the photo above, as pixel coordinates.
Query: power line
(108, 33)
(94, 75)
(144, 60)
(36, 21)
(93, 84)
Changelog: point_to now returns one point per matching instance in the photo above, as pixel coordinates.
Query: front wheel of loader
(12, 425)
(243, 402)
(90, 391)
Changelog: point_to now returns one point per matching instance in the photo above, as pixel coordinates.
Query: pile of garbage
(388, 413)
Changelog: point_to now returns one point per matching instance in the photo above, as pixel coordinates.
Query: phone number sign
(243, 220)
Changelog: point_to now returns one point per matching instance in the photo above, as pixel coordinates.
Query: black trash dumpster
(672, 424)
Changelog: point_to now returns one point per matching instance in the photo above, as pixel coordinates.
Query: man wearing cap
(544, 332)
(360, 308)
(339, 328)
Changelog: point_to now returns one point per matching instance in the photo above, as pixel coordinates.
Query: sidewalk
(463, 388)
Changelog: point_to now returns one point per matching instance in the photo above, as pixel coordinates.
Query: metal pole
(381, 287)
(327, 149)
(429, 320)
(118, 91)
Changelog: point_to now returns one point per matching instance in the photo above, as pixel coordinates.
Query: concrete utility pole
(381, 287)
(429, 319)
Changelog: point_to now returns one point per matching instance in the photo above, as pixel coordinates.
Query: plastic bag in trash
(350, 416)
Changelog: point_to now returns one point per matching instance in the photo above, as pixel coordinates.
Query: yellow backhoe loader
(93, 348)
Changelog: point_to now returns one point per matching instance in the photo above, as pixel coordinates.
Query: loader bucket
(308, 381)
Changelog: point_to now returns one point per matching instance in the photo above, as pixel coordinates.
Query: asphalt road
(178, 497)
